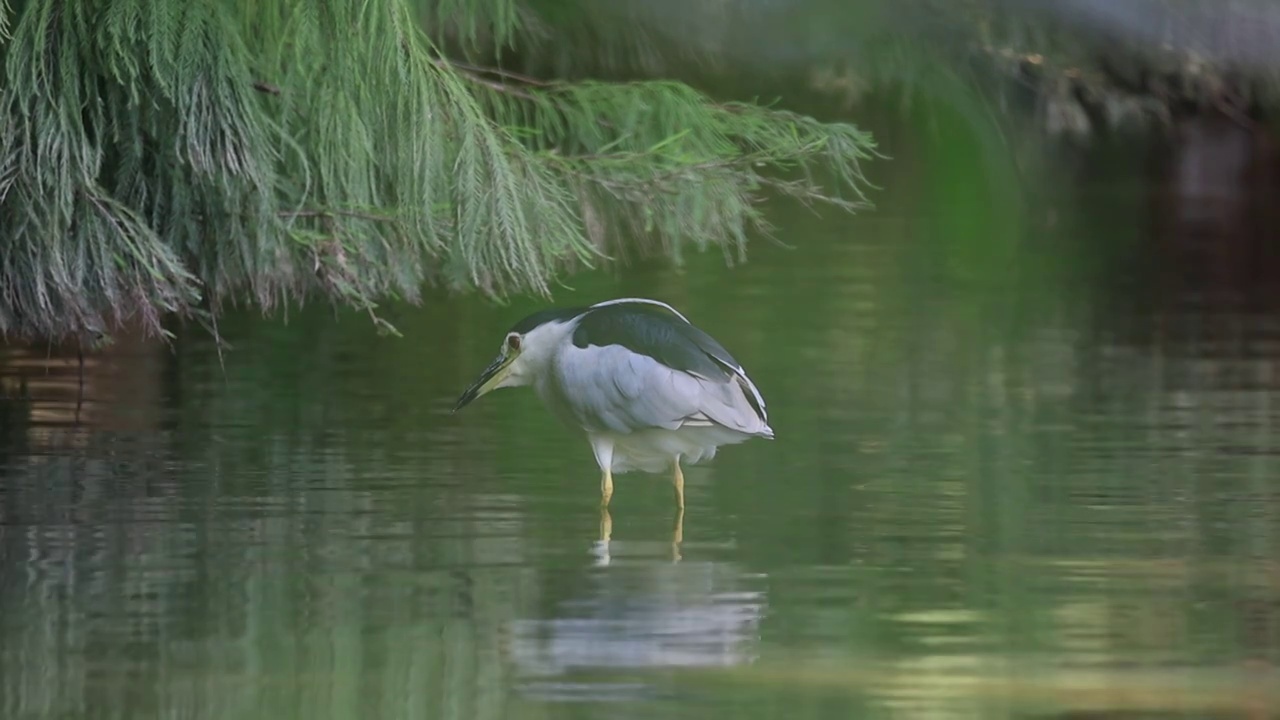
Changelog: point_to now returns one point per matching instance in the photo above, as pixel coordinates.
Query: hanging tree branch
(365, 167)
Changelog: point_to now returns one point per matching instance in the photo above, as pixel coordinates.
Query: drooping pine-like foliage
(173, 156)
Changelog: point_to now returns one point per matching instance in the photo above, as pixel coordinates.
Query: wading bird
(648, 387)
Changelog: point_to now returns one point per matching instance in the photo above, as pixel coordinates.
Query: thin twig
(475, 75)
(330, 214)
(509, 75)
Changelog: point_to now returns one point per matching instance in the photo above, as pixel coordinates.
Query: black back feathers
(655, 331)
(543, 317)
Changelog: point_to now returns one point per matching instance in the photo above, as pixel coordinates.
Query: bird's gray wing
(656, 330)
(613, 389)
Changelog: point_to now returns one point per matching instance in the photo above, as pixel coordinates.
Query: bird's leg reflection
(677, 536)
(677, 479)
(606, 532)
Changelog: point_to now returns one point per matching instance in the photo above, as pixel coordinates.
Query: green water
(1025, 466)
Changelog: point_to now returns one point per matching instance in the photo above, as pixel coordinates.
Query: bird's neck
(541, 348)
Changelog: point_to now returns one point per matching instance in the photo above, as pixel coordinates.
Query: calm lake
(1026, 466)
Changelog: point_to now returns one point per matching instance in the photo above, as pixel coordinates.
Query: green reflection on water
(989, 496)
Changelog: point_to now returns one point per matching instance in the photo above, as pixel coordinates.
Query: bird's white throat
(537, 351)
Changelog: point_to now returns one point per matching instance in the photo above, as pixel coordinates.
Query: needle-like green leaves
(171, 156)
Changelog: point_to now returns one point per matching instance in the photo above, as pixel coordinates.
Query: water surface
(1025, 467)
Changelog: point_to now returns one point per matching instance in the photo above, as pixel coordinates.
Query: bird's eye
(513, 342)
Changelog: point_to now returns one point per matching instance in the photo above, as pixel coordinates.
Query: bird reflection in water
(641, 614)
(601, 547)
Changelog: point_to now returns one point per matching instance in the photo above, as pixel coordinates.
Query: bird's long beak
(487, 381)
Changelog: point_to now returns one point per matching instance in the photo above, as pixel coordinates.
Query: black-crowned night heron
(649, 388)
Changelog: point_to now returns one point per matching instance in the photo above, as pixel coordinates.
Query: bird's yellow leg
(606, 487)
(677, 479)
(602, 447)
